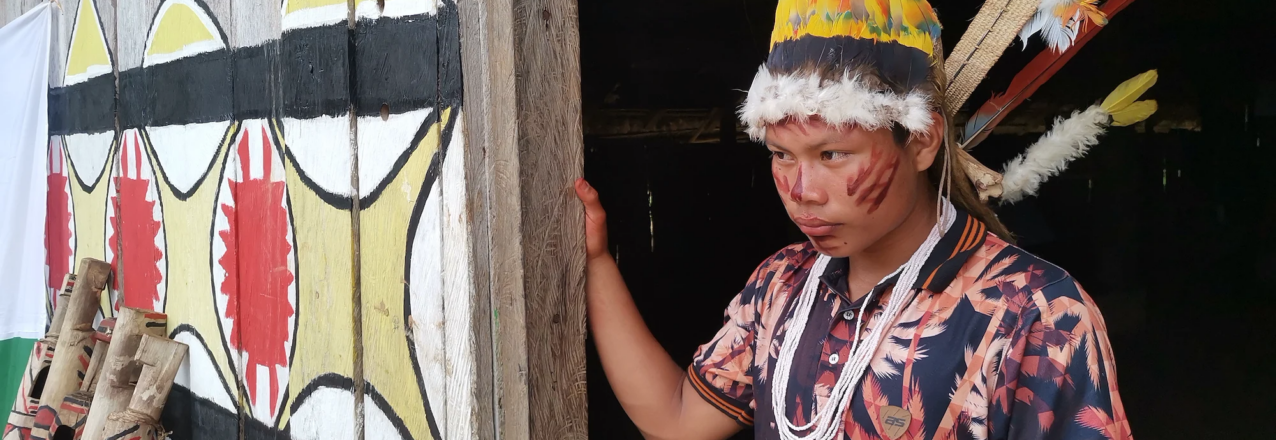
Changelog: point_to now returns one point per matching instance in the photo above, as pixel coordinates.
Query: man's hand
(595, 221)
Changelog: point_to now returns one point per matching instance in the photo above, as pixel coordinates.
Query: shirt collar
(956, 246)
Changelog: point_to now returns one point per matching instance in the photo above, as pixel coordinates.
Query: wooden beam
(551, 156)
(492, 165)
(524, 148)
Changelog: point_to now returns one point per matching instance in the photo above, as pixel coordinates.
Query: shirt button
(833, 359)
(848, 315)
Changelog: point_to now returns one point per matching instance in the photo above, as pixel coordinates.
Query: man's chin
(831, 245)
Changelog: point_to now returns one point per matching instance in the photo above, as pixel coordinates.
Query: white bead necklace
(827, 422)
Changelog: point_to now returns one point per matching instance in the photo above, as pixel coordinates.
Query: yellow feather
(1132, 113)
(1129, 91)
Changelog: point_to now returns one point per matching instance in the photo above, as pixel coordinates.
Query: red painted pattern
(44, 422)
(57, 223)
(781, 181)
(796, 192)
(873, 180)
(141, 256)
(257, 271)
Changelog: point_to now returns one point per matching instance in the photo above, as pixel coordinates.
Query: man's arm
(653, 390)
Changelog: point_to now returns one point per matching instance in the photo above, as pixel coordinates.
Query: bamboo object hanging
(74, 351)
(159, 358)
(25, 404)
(73, 411)
(75, 344)
(114, 389)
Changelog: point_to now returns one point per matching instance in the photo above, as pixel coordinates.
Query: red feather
(1026, 82)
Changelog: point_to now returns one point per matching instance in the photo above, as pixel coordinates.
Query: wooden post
(524, 150)
(551, 156)
(160, 358)
(491, 167)
(114, 389)
(28, 400)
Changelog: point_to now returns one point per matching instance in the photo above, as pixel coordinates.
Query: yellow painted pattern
(383, 240)
(911, 23)
(88, 43)
(297, 5)
(188, 225)
(90, 216)
(179, 27)
(325, 287)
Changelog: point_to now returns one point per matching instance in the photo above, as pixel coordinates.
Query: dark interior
(1169, 226)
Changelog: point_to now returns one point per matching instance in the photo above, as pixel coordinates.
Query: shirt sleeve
(720, 371)
(1063, 383)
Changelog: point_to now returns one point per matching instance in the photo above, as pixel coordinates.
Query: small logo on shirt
(895, 421)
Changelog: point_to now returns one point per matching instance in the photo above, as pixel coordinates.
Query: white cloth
(24, 141)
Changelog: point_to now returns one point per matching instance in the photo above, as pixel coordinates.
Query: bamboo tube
(74, 409)
(114, 386)
(75, 343)
(90, 279)
(27, 401)
(160, 358)
(75, 349)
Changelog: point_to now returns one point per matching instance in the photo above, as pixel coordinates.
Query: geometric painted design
(87, 56)
(183, 29)
(372, 9)
(326, 412)
(298, 14)
(135, 228)
(383, 144)
(255, 267)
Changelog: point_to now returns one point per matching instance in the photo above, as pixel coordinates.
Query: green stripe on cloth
(13, 362)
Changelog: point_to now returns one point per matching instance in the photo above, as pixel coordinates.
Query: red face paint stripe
(884, 186)
(781, 181)
(864, 172)
(796, 193)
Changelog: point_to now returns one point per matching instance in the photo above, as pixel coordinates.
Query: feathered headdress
(876, 63)
(865, 62)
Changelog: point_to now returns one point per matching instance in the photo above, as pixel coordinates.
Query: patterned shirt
(995, 344)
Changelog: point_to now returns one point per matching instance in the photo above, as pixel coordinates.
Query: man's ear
(924, 146)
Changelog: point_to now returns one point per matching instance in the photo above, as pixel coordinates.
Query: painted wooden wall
(277, 176)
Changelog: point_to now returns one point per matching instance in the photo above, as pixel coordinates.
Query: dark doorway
(1170, 225)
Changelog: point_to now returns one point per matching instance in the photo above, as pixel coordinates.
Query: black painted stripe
(304, 74)
(86, 107)
(314, 71)
(396, 63)
(902, 67)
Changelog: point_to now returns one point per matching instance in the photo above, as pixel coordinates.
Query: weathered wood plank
(114, 390)
(492, 128)
(551, 155)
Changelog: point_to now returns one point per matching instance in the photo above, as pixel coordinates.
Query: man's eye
(831, 155)
(780, 155)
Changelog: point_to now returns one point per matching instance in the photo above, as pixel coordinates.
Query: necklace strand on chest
(826, 422)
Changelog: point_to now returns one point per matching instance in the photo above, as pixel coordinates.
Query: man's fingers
(589, 196)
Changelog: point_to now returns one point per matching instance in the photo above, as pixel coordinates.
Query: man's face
(845, 188)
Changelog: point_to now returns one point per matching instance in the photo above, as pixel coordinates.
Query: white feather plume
(1055, 33)
(1068, 140)
(848, 101)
